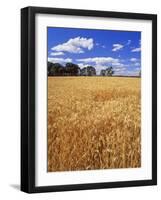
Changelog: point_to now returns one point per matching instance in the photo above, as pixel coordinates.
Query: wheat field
(93, 123)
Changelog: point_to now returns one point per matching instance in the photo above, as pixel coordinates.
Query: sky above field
(98, 48)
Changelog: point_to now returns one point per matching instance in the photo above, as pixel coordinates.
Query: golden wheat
(93, 123)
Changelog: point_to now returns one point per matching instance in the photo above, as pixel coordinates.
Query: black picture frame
(28, 99)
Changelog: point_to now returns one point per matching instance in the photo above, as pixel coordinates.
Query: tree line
(71, 69)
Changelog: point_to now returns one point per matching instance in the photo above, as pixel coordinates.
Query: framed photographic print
(88, 99)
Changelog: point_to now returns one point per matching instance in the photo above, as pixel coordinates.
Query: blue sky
(99, 48)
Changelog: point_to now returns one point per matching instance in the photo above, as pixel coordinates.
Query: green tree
(109, 71)
(72, 69)
(103, 72)
(88, 71)
(56, 69)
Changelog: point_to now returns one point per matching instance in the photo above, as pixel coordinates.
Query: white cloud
(59, 60)
(119, 65)
(102, 63)
(133, 72)
(82, 65)
(120, 72)
(136, 64)
(133, 59)
(75, 45)
(119, 69)
(57, 53)
(117, 47)
(98, 68)
(136, 49)
(128, 42)
(99, 60)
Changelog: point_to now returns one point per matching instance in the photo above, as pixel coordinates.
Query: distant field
(93, 123)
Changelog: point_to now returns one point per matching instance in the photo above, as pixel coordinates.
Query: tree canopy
(107, 72)
(71, 69)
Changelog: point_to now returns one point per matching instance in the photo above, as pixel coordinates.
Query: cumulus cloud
(57, 53)
(82, 65)
(120, 66)
(59, 60)
(117, 47)
(136, 49)
(102, 63)
(75, 45)
(97, 67)
(99, 60)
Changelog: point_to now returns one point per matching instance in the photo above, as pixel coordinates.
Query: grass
(93, 123)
